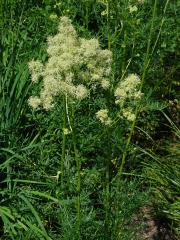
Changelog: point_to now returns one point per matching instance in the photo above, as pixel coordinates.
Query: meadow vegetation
(89, 119)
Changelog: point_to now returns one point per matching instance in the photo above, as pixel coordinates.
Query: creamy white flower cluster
(128, 89)
(126, 93)
(36, 70)
(73, 67)
(102, 115)
(133, 5)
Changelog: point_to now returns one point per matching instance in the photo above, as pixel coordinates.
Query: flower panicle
(128, 89)
(127, 93)
(102, 115)
(74, 65)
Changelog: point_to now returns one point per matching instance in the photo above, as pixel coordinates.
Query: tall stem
(87, 14)
(108, 24)
(146, 63)
(120, 170)
(63, 141)
(78, 188)
(106, 189)
(124, 53)
(107, 198)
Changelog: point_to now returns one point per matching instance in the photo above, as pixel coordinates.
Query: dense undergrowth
(84, 167)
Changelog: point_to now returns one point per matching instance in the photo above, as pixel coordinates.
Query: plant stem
(147, 58)
(63, 141)
(124, 53)
(87, 15)
(108, 25)
(78, 165)
(107, 198)
(120, 170)
(161, 25)
(146, 63)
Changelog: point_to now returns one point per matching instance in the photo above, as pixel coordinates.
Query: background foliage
(33, 204)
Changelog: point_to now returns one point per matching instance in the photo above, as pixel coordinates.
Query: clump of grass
(163, 175)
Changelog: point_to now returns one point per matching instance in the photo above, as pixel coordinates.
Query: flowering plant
(75, 65)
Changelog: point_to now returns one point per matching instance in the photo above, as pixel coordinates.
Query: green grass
(163, 174)
(90, 185)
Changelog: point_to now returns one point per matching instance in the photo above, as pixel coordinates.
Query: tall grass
(163, 174)
(14, 91)
(58, 186)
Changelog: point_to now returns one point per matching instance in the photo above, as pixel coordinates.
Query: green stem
(63, 141)
(147, 58)
(107, 175)
(107, 198)
(146, 63)
(120, 170)
(124, 53)
(87, 15)
(78, 165)
(161, 25)
(108, 25)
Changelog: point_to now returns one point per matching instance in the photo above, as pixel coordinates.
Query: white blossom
(102, 115)
(74, 65)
